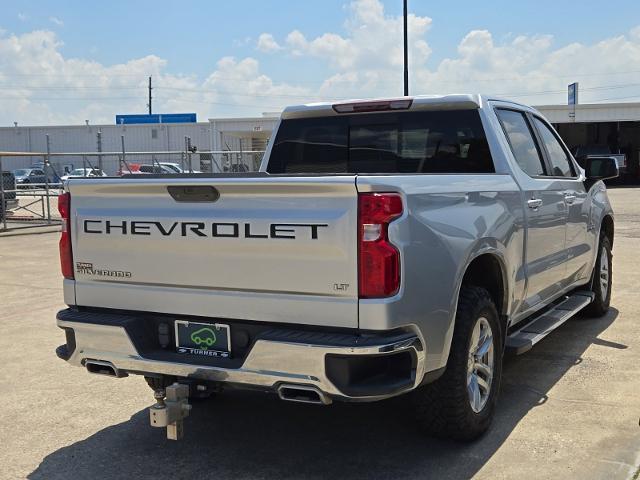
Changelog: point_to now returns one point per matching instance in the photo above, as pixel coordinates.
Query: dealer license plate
(207, 339)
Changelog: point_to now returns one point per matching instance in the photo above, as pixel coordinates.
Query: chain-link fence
(29, 193)
(30, 201)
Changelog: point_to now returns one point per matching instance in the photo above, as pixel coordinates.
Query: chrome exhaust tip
(303, 394)
(101, 367)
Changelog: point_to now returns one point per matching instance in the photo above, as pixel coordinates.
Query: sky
(65, 62)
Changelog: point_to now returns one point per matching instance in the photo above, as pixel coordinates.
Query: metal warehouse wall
(138, 138)
(216, 134)
(595, 112)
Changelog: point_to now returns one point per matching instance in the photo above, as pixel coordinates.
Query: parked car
(142, 169)
(157, 169)
(84, 172)
(51, 172)
(27, 177)
(386, 247)
(581, 153)
(177, 168)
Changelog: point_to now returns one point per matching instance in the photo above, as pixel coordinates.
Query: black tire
(444, 408)
(602, 300)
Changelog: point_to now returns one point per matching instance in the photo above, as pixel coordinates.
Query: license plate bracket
(205, 339)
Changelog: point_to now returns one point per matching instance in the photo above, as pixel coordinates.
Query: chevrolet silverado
(385, 247)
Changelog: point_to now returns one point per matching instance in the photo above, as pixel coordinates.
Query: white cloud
(531, 70)
(267, 44)
(56, 21)
(367, 61)
(373, 40)
(38, 85)
(243, 42)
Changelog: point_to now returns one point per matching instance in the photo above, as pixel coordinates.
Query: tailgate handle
(193, 193)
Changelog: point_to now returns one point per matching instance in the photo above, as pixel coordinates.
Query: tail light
(379, 261)
(66, 256)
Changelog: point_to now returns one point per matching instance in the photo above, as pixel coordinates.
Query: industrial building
(612, 125)
(216, 135)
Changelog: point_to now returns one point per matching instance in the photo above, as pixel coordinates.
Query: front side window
(407, 142)
(558, 157)
(523, 145)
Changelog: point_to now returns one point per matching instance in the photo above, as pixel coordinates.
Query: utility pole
(99, 135)
(149, 104)
(406, 52)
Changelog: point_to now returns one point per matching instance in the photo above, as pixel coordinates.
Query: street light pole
(406, 52)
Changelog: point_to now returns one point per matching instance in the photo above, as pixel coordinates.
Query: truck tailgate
(277, 249)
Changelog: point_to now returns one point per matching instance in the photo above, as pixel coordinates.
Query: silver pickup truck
(385, 247)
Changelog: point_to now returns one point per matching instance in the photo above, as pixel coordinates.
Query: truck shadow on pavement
(255, 435)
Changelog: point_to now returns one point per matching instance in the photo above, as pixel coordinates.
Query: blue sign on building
(573, 94)
(156, 118)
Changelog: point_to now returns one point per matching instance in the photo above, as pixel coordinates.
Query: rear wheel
(601, 281)
(460, 404)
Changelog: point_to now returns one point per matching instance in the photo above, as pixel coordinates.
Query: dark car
(27, 177)
(9, 192)
(582, 152)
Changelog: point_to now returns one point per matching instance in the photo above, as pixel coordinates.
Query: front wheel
(601, 280)
(461, 404)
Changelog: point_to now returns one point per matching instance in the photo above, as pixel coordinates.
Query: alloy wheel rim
(604, 272)
(480, 364)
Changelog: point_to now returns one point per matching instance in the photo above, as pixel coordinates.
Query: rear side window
(407, 142)
(560, 163)
(520, 137)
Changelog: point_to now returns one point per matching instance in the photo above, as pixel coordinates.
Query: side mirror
(600, 168)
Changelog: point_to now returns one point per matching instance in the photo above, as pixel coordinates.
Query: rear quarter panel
(448, 221)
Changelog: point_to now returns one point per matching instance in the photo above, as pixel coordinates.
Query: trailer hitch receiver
(171, 408)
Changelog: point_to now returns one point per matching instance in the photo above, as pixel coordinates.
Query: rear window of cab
(448, 141)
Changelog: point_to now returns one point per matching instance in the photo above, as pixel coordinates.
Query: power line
(27, 97)
(182, 100)
(227, 92)
(614, 98)
(70, 87)
(282, 95)
(244, 80)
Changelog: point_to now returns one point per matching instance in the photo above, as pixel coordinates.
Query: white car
(164, 169)
(177, 168)
(83, 172)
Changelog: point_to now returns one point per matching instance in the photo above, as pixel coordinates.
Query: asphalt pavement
(568, 409)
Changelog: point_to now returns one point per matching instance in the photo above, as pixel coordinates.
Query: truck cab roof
(410, 103)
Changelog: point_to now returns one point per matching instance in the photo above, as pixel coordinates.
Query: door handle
(569, 198)
(534, 203)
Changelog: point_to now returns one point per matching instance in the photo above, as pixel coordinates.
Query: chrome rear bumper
(268, 364)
